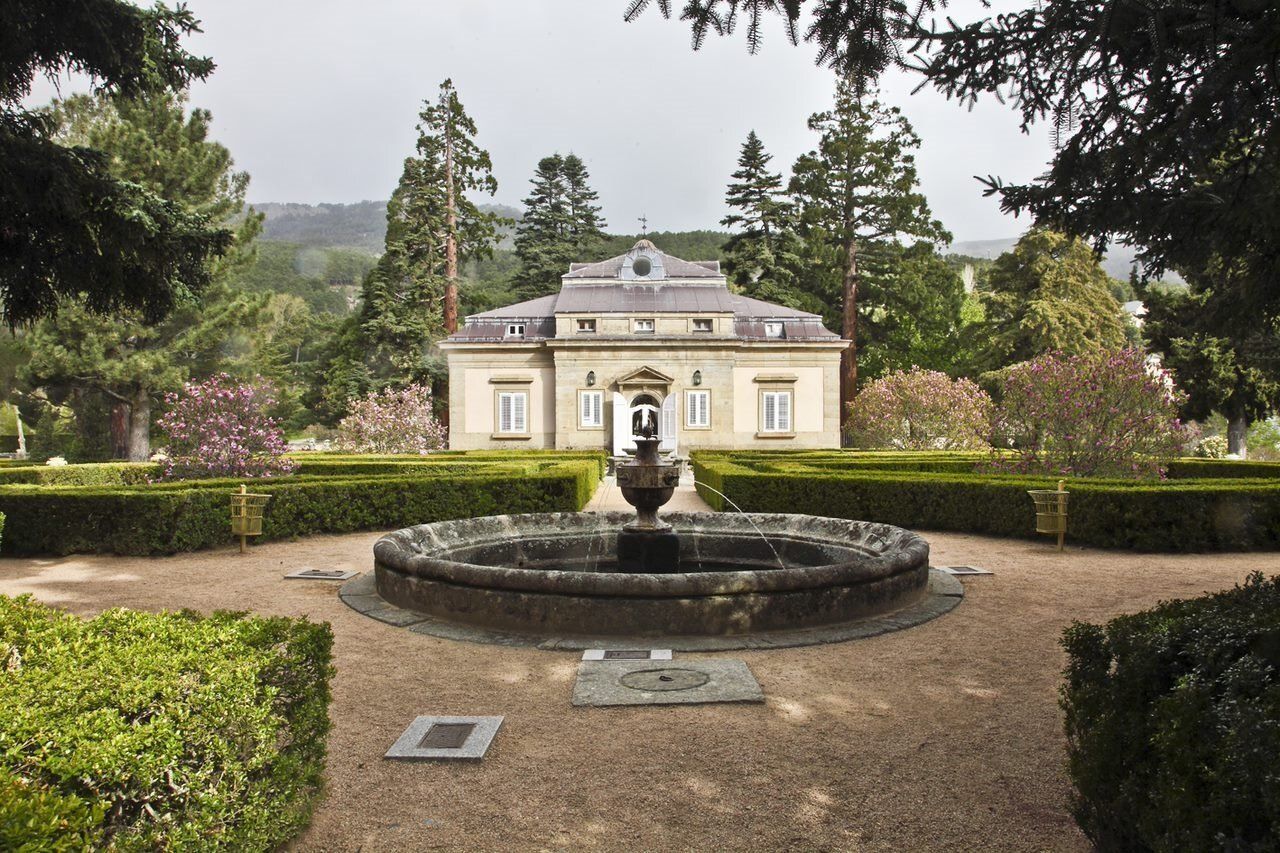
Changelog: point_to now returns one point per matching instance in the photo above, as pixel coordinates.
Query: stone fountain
(695, 580)
(648, 544)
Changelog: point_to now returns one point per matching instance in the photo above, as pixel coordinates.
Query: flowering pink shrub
(220, 428)
(1107, 413)
(392, 421)
(920, 410)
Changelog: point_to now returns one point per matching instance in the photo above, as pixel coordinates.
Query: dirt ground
(943, 737)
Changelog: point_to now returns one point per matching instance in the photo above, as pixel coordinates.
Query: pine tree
(561, 224)
(858, 188)
(760, 256)
(409, 300)
(155, 144)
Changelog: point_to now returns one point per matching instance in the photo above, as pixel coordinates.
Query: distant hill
(1116, 262)
(362, 225)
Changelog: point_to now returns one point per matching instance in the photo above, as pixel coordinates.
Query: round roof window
(641, 267)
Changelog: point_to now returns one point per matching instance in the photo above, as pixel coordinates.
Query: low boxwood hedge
(165, 518)
(141, 731)
(1173, 724)
(1188, 514)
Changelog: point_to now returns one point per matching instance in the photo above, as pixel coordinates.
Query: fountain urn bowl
(557, 574)
(647, 544)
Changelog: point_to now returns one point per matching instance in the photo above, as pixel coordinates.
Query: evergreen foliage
(404, 298)
(157, 145)
(1225, 354)
(70, 226)
(760, 257)
(1048, 295)
(857, 190)
(159, 731)
(561, 225)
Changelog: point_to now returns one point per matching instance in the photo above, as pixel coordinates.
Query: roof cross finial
(644, 225)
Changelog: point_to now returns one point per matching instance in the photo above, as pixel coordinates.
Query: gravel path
(943, 737)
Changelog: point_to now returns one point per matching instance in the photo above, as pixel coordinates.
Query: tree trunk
(849, 331)
(140, 427)
(451, 241)
(1237, 427)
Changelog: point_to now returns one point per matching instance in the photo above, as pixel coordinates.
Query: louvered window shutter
(770, 413)
(518, 423)
(784, 412)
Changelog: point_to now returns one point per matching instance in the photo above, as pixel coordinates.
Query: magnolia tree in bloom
(220, 428)
(1099, 414)
(921, 410)
(393, 421)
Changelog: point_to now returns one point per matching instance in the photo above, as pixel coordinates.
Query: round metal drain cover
(664, 679)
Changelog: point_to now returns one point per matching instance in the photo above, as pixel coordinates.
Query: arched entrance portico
(644, 396)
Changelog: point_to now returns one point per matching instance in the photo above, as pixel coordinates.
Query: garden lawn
(944, 737)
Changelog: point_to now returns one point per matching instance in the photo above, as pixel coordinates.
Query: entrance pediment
(644, 377)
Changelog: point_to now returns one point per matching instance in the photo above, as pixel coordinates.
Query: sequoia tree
(561, 224)
(859, 187)
(69, 226)
(410, 299)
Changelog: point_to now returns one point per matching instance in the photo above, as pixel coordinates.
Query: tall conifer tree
(859, 188)
(410, 297)
(759, 254)
(561, 224)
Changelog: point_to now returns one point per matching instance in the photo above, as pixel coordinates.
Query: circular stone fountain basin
(552, 574)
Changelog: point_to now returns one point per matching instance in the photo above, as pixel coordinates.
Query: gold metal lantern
(246, 515)
(1051, 511)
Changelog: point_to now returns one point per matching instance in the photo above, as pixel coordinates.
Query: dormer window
(515, 330)
(703, 325)
(773, 329)
(643, 327)
(586, 327)
(641, 267)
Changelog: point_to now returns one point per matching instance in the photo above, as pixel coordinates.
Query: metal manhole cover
(664, 679)
(626, 654)
(446, 736)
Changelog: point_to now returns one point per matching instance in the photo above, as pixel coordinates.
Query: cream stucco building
(644, 336)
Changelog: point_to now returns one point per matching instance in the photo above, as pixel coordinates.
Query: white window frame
(515, 330)
(586, 326)
(697, 409)
(774, 329)
(591, 409)
(639, 326)
(702, 325)
(515, 419)
(781, 405)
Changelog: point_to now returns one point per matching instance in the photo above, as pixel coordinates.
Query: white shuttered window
(697, 409)
(592, 408)
(777, 411)
(512, 412)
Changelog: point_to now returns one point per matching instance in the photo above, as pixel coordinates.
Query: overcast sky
(317, 100)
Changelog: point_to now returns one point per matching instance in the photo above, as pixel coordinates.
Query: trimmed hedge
(1200, 514)
(1173, 724)
(166, 518)
(142, 731)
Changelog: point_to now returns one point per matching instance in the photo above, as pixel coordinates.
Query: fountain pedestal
(648, 545)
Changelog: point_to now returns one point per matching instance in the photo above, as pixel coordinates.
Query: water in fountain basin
(748, 518)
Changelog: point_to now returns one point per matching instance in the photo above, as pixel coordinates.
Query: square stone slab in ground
(647, 682)
(627, 654)
(964, 570)
(431, 738)
(320, 575)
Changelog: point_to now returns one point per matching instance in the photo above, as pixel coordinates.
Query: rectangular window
(697, 408)
(777, 411)
(702, 325)
(513, 407)
(591, 408)
(773, 330)
(644, 327)
(586, 326)
(515, 330)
